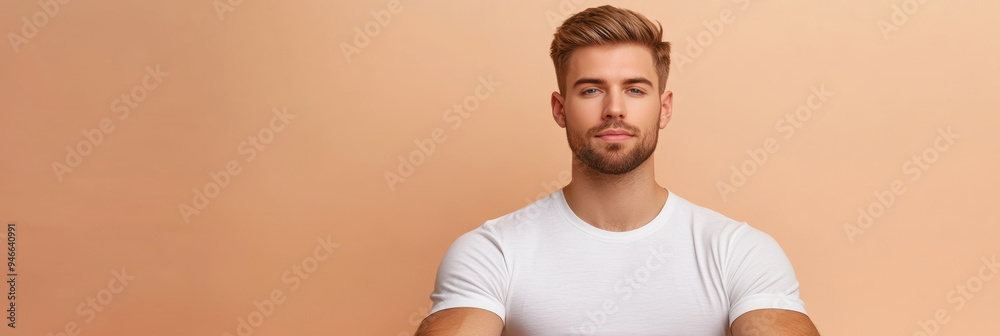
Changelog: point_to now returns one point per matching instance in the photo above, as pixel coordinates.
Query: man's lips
(616, 134)
(614, 131)
(615, 137)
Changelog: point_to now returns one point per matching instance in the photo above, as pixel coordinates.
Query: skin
(779, 322)
(461, 322)
(614, 185)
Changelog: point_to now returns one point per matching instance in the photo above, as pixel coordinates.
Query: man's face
(612, 88)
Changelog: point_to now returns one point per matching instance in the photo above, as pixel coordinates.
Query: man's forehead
(611, 62)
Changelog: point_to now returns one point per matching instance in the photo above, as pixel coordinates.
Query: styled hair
(608, 25)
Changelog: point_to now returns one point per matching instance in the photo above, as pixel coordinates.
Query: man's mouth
(615, 137)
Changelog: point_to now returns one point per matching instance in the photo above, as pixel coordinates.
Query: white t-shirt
(544, 271)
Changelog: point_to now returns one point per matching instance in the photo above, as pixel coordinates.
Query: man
(612, 252)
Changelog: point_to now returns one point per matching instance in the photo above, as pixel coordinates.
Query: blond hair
(606, 25)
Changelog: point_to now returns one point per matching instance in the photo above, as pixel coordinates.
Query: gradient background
(324, 174)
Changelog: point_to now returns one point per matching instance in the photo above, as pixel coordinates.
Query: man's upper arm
(461, 321)
(471, 285)
(761, 285)
(773, 322)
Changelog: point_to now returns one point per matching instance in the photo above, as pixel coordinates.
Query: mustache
(614, 123)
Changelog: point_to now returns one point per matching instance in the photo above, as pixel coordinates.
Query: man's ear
(558, 110)
(666, 108)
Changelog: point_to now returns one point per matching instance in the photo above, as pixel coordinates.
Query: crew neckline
(653, 225)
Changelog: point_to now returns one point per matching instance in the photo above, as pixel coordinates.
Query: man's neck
(615, 202)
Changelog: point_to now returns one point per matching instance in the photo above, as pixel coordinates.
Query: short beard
(589, 155)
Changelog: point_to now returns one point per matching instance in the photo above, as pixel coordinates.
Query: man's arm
(762, 288)
(470, 287)
(778, 322)
(461, 321)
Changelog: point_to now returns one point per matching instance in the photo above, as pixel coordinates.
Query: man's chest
(654, 293)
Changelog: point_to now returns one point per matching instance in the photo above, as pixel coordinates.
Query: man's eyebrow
(598, 81)
(588, 80)
(637, 80)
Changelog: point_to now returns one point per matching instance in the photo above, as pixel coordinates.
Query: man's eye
(588, 91)
(636, 91)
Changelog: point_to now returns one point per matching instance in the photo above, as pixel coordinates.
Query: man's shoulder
(518, 223)
(707, 222)
(723, 232)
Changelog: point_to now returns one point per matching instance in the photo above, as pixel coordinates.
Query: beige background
(323, 174)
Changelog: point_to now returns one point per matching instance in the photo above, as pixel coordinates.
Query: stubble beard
(611, 157)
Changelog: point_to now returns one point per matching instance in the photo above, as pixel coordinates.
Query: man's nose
(614, 105)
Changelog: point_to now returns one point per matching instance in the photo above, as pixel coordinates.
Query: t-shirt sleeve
(473, 273)
(759, 274)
